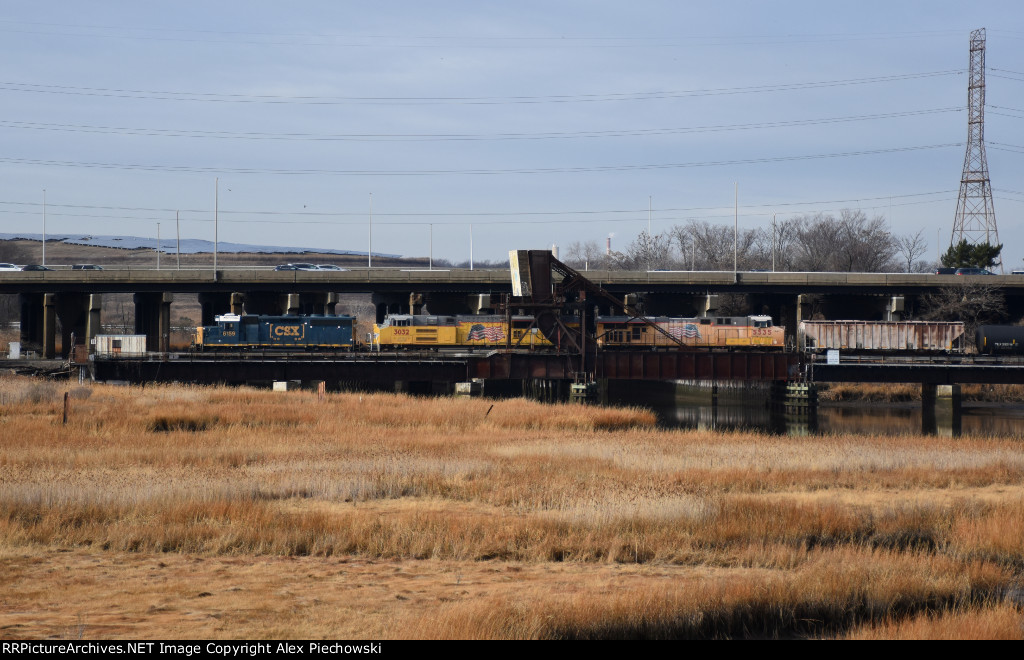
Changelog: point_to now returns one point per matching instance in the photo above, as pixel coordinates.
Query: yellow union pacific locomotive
(426, 330)
(711, 332)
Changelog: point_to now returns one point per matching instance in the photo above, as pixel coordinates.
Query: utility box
(14, 350)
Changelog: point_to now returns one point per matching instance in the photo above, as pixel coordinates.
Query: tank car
(1000, 339)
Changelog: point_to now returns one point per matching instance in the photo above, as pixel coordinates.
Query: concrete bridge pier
(79, 315)
(153, 319)
(320, 304)
(941, 410)
(395, 303)
(707, 305)
(38, 322)
(894, 307)
(215, 304)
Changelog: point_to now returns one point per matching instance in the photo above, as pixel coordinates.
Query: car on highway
(330, 267)
(9, 267)
(945, 271)
(973, 271)
(297, 267)
(35, 267)
(86, 267)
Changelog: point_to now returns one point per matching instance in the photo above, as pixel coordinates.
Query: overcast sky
(537, 123)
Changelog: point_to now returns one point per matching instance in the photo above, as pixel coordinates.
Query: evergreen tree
(965, 255)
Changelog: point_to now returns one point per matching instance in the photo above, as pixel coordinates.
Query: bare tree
(646, 253)
(706, 246)
(586, 256)
(974, 304)
(849, 243)
(910, 248)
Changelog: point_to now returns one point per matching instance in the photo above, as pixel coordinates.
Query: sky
(459, 129)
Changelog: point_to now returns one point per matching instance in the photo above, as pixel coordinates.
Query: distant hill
(64, 249)
(188, 245)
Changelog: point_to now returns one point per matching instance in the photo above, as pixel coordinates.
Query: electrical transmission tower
(975, 219)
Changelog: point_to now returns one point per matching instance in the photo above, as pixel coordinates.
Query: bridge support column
(75, 313)
(290, 303)
(237, 303)
(894, 309)
(49, 326)
(214, 304)
(707, 305)
(153, 319)
(940, 409)
(261, 303)
(38, 323)
(321, 304)
(93, 320)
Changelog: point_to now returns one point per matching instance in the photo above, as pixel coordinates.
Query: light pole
(773, 242)
(216, 211)
(736, 233)
(158, 246)
(431, 262)
(44, 226)
(369, 247)
(177, 231)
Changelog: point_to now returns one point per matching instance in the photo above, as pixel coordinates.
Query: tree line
(823, 242)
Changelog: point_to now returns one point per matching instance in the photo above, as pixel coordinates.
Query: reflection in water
(1000, 419)
(901, 418)
(698, 406)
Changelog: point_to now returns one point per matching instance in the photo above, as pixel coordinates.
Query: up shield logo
(287, 332)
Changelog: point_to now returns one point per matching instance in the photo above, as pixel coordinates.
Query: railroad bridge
(76, 297)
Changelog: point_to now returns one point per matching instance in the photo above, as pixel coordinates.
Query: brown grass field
(190, 513)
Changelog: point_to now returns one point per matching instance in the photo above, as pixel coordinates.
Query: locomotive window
(705, 321)
(636, 333)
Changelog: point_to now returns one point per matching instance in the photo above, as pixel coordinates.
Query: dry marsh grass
(816, 536)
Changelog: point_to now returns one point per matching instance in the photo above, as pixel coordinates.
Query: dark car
(85, 267)
(36, 267)
(286, 267)
(297, 267)
(945, 271)
(973, 271)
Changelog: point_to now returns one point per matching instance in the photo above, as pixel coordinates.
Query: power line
(513, 217)
(426, 137)
(210, 97)
(465, 172)
(476, 41)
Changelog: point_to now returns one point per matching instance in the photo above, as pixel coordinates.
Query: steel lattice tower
(975, 219)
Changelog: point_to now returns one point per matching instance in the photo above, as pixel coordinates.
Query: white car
(9, 267)
(329, 267)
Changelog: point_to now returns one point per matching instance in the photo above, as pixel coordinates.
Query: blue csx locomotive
(301, 332)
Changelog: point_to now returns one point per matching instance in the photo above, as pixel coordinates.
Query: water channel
(698, 406)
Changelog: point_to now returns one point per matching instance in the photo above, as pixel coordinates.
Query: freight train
(406, 331)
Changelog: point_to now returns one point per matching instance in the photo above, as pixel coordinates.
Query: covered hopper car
(882, 336)
(234, 331)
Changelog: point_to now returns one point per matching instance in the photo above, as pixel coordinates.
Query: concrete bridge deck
(382, 280)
